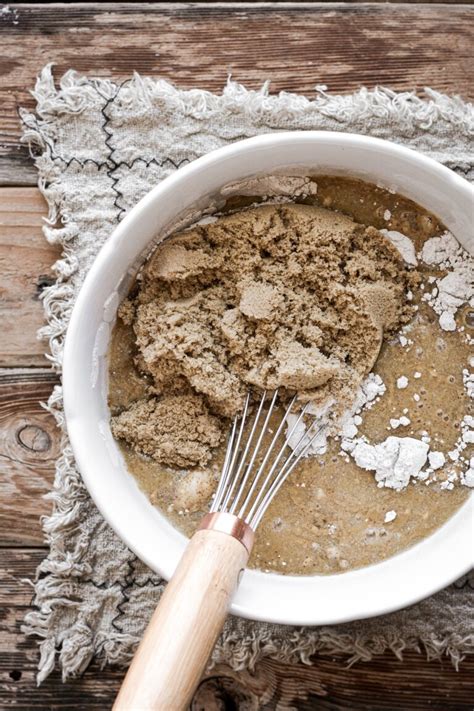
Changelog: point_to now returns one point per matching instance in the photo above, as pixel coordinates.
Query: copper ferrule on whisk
(230, 524)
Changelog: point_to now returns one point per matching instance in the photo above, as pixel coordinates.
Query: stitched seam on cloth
(243, 643)
(120, 611)
(110, 171)
(111, 162)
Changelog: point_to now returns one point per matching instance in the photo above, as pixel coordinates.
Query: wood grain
(296, 46)
(25, 266)
(29, 445)
(384, 684)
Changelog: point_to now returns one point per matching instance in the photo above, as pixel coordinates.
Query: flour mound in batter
(289, 296)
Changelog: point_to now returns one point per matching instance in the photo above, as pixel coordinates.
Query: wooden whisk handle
(185, 626)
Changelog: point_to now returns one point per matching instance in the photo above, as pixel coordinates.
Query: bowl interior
(394, 583)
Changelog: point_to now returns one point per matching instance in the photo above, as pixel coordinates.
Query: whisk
(184, 628)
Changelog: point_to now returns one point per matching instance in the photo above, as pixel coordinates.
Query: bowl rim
(448, 540)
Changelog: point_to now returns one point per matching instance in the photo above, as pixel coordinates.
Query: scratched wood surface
(296, 46)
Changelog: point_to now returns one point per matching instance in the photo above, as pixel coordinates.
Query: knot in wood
(33, 438)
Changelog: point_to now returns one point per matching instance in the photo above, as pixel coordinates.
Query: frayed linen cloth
(99, 147)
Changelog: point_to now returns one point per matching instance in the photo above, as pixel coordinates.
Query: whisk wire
(225, 467)
(243, 457)
(236, 473)
(265, 459)
(282, 475)
(226, 474)
(249, 467)
(277, 458)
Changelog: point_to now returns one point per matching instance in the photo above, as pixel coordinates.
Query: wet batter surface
(330, 516)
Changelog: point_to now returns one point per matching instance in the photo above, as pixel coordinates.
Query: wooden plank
(29, 445)
(384, 684)
(198, 44)
(25, 266)
(17, 168)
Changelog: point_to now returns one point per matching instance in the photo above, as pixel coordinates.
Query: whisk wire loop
(261, 493)
(283, 474)
(236, 473)
(243, 455)
(256, 450)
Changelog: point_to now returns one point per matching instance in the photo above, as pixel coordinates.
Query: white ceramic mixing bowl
(376, 589)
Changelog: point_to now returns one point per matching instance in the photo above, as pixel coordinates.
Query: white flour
(272, 185)
(436, 460)
(468, 477)
(397, 460)
(465, 438)
(394, 461)
(402, 421)
(468, 380)
(455, 289)
(368, 394)
(301, 435)
(404, 245)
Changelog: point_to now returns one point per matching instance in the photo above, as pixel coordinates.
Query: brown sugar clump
(177, 430)
(260, 301)
(288, 296)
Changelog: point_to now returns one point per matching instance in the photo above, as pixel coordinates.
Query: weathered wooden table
(343, 45)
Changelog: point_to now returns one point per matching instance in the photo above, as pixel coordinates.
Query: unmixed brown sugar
(290, 296)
